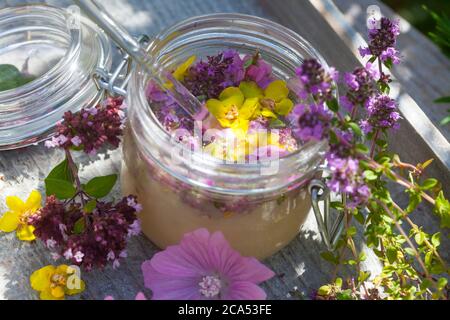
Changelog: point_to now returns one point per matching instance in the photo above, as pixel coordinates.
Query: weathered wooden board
(299, 265)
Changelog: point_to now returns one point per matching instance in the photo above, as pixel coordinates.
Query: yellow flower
(180, 71)
(232, 110)
(235, 148)
(17, 217)
(183, 68)
(229, 147)
(272, 101)
(54, 283)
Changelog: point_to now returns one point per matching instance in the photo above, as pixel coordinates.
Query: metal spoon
(128, 43)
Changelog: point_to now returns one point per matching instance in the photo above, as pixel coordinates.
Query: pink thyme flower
(78, 256)
(103, 239)
(203, 267)
(90, 129)
(260, 71)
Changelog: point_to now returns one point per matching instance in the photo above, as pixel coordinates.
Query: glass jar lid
(46, 64)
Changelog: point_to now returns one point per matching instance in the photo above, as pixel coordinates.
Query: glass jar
(258, 213)
(60, 51)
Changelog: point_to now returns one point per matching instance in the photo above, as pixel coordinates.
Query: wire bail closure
(330, 231)
(115, 83)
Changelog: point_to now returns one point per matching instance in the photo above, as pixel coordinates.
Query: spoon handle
(127, 42)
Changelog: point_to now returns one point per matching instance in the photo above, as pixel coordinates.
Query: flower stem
(415, 228)
(374, 143)
(405, 236)
(400, 180)
(74, 170)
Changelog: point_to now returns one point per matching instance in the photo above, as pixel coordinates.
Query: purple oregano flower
(361, 84)
(315, 81)
(311, 122)
(207, 79)
(382, 114)
(348, 178)
(383, 37)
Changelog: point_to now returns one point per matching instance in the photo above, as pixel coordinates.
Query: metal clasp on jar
(115, 82)
(329, 230)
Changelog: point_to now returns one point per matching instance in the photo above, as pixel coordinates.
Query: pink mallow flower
(204, 267)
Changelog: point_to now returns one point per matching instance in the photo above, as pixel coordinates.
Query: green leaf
(359, 216)
(388, 63)
(61, 189)
(362, 148)
(362, 256)
(382, 143)
(277, 123)
(338, 282)
(344, 295)
(61, 172)
(445, 121)
(248, 63)
(100, 187)
(80, 226)
(330, 257)
(419, 237)
(426, 283)
(355, 128)
(333, 105)
(442, 209)
(324, 290)
(90, 206)
(337, 205)
(443, 100)
(436, 239)
(428, 258)
(442, 283)
(414, 200)
(333, 137)
(384, 87)
(410, 251)
(11, 77)
(370, 175)
(363, 276)
(351, 231)
(391, 254)
(429, 184)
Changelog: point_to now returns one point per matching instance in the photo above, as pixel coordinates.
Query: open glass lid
(47, 58)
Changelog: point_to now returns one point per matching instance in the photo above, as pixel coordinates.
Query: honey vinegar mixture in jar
(241, 167)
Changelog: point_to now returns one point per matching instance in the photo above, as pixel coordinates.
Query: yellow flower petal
(277, 90)
(47, 295)
(248, 108)
(232, 94)
(15, 204)
(268, 113)
(284, 107)
(180, 72)
(216, 108)
(9, 222)
(57, 292)
(40, 279)
(33, 202)
(250, 89)
(62, 269)
(240, 128)
(25, 233)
